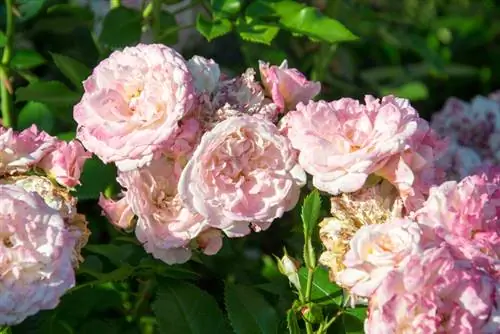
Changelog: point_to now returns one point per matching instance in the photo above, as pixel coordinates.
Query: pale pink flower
(206, 74)
(118, 212)
(340, 143)
(164, 225)
(35, 255)
(20, 151)
(243, 173)
(210, 241)
(375, 251)
(132, 104)
(287, 86)
(65, 163)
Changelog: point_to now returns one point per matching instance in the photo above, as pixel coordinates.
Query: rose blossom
(164, 225)
(340, 143)
(20, 151)
(35, 257)
(65, 162)
(287, 86)
(206, 73)
(132, 104)
(242, 173)
(118, 212)
(375, 250)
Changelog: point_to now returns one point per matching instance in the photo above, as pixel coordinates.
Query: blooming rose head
(376, 250)
(119, 213)
(287, 86)
(20, 151)
(206, 73)
(164, 225)
(368, 206)
(35, 257)
(242, 173)
(132, 104)
(340, 143)
(65, 163)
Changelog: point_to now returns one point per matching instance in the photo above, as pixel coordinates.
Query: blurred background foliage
(425, 50)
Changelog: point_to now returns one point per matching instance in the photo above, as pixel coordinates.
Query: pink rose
(376, 250)
(242, 173)
(118, 212)
(287, 86)
(206, 73)
(35, 255)
(164, 226)
(65, 162)
(132, 104)
(20, 151)
(340, 143)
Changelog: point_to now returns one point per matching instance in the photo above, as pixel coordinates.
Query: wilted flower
(243, 173)
(35, 257)
(132, 104)
(287, 86)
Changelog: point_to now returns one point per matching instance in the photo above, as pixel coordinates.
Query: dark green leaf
(49, 92)
(183, 308)
(93, 326)
(213, 29)
(292, 322)
(36, 113)
(75, 71)
(26, 59)
(96, 177)
(67, 136)
(311, 211)
(353, 320)
(301, 19)
(121, 27)
(226, 8)
(168, 29)
(323, 290)
(249, 312)
(254, 31)
(114, 253)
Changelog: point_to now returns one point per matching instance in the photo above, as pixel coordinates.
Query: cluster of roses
(41, 234)
(198, 152)
(473, 132)
(424, 254)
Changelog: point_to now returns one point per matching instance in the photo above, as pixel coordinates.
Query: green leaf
(213, 29)
(114, 253)
(121, 27)
(29, 8)
(254, 31)
(292, 322)
(226, 8)
(168, 29)
(311, 211)
(183, 308)
(67, 136)
(36, 113)
(96, 177)
(26, 59)
(249, 312)
(301, 19)
(353, 320)
(72, 69)
(414, 91)
(323, 290)
(49, 92)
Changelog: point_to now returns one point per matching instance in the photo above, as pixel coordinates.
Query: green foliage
(96, 178)
(121, 27)
(182, 308)
(249, 312)
(36, 113)
(52, 93)
(323, 290)
(75, 71)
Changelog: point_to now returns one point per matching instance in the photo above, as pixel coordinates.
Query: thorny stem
(6, 88)
(307, 297)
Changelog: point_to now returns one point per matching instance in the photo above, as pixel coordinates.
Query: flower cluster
(341, 143)
(41, 233)
(473, 131)
(434, 271)
(198, 152)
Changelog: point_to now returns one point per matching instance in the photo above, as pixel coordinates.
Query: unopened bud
(289, 267)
